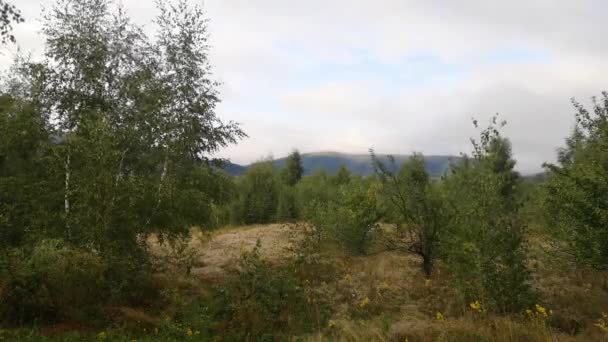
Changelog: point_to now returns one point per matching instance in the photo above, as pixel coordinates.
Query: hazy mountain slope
(360, 164)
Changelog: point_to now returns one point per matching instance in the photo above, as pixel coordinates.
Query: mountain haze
(359, 164)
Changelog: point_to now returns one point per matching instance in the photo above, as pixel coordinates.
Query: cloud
(397, 75)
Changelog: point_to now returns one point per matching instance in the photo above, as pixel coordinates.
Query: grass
(379, 297)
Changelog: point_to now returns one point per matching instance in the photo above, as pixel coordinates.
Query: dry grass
(401, 305)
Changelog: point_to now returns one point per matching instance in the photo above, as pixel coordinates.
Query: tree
(258, 194)
(293, 170)
(119, 131)
(415, 206)
(576, 195)
(342, 177)
(484, 244)
(26, 185)
(9, 14)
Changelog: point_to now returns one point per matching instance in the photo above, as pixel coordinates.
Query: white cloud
(270, 56)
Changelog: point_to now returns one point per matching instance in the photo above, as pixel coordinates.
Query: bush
(349, 219)
(52, 281)
(312, 190)
(258, 303)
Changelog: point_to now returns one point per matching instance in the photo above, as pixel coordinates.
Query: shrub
(349, 219)
(258, 303)
(51, 281)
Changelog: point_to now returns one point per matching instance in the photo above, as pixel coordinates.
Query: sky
(399, 76)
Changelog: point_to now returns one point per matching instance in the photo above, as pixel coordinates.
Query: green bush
(52, 281)
(312, 191)
(259, 303)
(349, 218)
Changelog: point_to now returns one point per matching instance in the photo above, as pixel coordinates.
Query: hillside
(359, 164)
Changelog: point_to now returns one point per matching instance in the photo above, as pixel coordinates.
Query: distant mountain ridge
(359, 164)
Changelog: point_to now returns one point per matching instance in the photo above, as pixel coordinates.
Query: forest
(118, 223)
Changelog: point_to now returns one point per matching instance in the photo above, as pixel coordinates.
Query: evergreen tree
(293, 170)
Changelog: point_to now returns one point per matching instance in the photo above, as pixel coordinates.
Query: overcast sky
(396, 75)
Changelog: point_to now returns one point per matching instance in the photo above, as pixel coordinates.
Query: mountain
(359, 164)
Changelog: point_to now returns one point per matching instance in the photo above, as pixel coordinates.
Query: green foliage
(314, 190)
(287, 210)
(342, 177)
(484, 246)
(290, 175)
(258, 195)
(27, 193)
(52, 281)
(349, 219)
(414, 206)
(258, 303)
(125, 153)
(293, 170)
(576, 195)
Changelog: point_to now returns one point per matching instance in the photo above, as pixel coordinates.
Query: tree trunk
(66, 195)
(427, 265)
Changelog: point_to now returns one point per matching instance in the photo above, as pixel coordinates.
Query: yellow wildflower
(439, 316)
(364, 302)
(189, 332)
(347, 277)
(331, 324)
(476, 305)
(602, 323)
(528, 311)
(541, 310)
